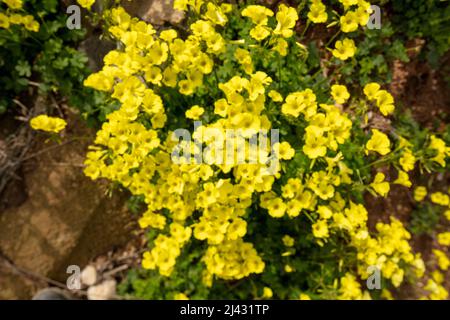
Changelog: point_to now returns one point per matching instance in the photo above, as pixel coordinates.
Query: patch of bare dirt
(423, 90)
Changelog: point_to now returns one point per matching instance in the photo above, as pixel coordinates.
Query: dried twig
(34, 276)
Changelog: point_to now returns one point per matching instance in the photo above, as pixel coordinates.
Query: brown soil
(55, 216)
(423, 90)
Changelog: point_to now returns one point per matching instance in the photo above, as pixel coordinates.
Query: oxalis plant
(252, 158)
(39, 56)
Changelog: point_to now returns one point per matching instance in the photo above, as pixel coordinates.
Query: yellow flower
(186, 87)
(379, 185)
(168, 35)
(14, 4)
(237, 229)
(86, 3)
(304, 296)
(281, 47)
(181, 296)
(284, 150)
(267, 293)
(286, 17)
(15, 18)
(344, 49)
(215, 14)
(440, 199)
(220, 107)
(403, 179)
(288, 241)
(260, 32)
(386, 294)
(371, 90)
(340, 93)
(30, 24)
(439, 146)
(350, 288)
(379, 142)
(407, 161)
(442, 258)
(437, 276)
(195, 112)
(420, 193)
(276, 208)
(317, 12)
(314, 143)
(258, 14)
(159, 120)
(180, 5)
(348, 3)
(153, 75)
(4, 21)
(243, 56)
(363, 15)
(320, 229)
(385, 102)
(288, 268)
(49, 124)
(444, 238)
(349, 22)
(324, 212)
(275, 96)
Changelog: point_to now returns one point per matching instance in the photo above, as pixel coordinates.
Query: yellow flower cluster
(132, 154)
(356, 13)
(389, 251)
(436, 289)
(442, 151)
(233, 259)
(442, 259)
(359, 16)
(286, 18)
(48, 124)
(328, 126)
(382, 98)
(14, 4)
(17, 19)
(350, 289)
(167, 249)
(210, 200)
(12, 18)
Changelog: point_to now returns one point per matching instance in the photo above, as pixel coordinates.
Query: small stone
(104, 291)
(89, 276)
